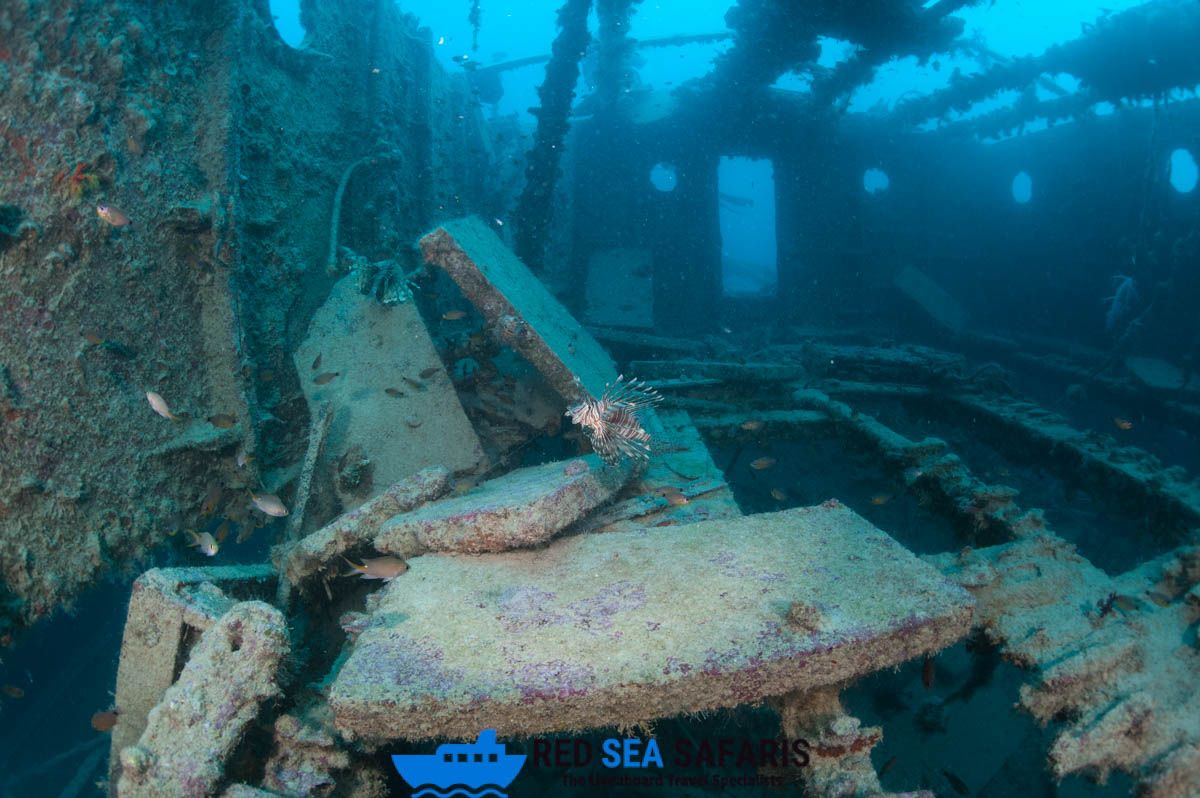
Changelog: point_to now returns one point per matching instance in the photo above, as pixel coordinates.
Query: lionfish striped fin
(612, 423)
(633, 394)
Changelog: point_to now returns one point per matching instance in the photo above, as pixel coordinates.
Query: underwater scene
(487, 398)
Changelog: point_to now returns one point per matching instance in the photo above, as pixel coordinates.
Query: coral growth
(78, 183)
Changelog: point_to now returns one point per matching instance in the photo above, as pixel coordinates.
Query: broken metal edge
(372, 724)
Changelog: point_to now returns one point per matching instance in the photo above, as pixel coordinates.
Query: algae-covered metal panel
(626, 627)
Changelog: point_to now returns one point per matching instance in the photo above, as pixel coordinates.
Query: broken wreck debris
(523, 508)
(230, 672)
(623, 643)
(566, 615)
(529, 585)
(597, 630)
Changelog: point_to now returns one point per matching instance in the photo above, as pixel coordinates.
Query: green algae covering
(619, 628)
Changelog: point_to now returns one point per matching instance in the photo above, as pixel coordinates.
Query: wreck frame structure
(565, 616)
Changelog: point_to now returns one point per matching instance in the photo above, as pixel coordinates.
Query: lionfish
(612, 422)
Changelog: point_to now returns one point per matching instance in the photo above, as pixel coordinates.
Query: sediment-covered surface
(225, 149)
(93, 95)
(617, 628)
(525, 507)
(394, 409)
(168, 610)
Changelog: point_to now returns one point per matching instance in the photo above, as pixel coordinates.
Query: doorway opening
(746, 189)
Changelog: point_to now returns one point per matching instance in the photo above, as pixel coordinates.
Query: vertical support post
(556, 93)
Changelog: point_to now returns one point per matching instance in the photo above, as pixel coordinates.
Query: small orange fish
(205, 543)
(880, 499)
(1122, 423)
(427, 373)
(385, 568)
(322, 379)
(1126, 604)
(454, 315)
(396, 392)
(1160, 600)
(105, 721)
(12, 691)
(753, 425)
(160, 406)
(112, 215)
(211, 500)
(266, 375)
(414, 383)
(762, 463)
(269, 504)
(888, 765)
(93, 339)
(316, 363)
(222, 532)
(222, 420)
(778, 495)
(245, 532)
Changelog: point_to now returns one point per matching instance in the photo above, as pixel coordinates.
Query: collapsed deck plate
(619, 628)
(519, 307)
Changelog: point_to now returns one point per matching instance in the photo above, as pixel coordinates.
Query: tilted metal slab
(615, 629)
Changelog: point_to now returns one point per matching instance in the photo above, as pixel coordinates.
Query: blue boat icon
(471, 769)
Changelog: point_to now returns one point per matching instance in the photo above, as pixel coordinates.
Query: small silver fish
(205, 543)
(112, 215)
(385, 568)
(160, 406)
(269, 504)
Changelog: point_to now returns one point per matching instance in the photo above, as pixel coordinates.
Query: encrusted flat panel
(371, 358)
(597, 630)
(525, 507)
(519, 307)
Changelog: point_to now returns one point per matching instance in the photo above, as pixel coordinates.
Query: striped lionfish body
(612, 422)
